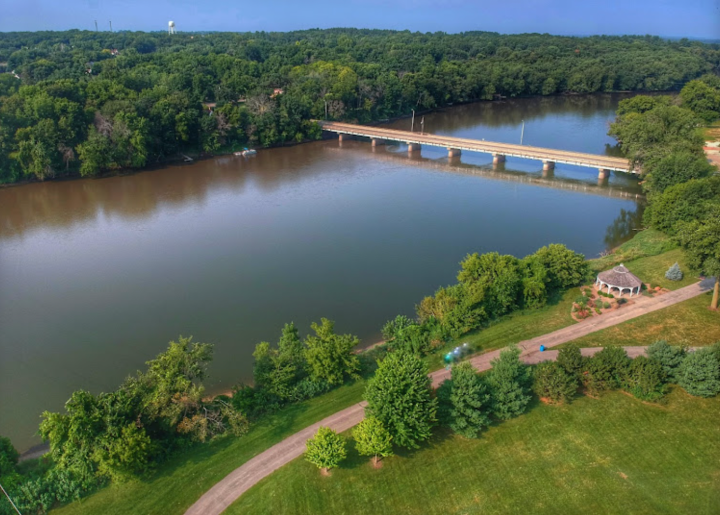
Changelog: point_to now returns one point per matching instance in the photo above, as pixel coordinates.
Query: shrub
(571, 359)
(645, 379)
(605, 370)
(326, 449)
(670, 357)
(699, 373)
(674, 273)
(581, 300)
(597, 310)
(509, 380)
(598, 303)
(621, 301)
(308, 388)
(553, 382)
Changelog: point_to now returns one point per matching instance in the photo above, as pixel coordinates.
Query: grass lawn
(182, 480)
(612, 455)
(689, 322)
(652, 269)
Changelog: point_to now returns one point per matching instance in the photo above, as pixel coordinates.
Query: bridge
(499, 151)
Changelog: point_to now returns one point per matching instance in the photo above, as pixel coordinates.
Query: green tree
(8, 456)
(702, 99)
(499, 276)
(701, 241)
(645, 379)
(669, 356)
(552, 381)
(372, 439)
(469, 400)
(606, 369)
(699, 373)
(329, 356)
(570, 358)
(399, 395)
(125, 455)
(326, 449)
(565, 268)
(508, 382)
(676, 168)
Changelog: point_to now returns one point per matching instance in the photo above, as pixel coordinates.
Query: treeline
(85, 102)
(664, 136)
(403, 411)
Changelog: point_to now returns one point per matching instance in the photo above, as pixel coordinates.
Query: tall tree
(701, 241)
(400, 397)
(329, 356)
(469, 400)
(509, 382)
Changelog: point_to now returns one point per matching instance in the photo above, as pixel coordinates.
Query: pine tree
(699, 373)
(326, 449)
(399, 395)
(372, 439)
(469, 401)
(669, 356)
(508, 381)
(674, 273)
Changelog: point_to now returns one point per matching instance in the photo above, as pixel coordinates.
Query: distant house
(210, 106)
(276, 92)
(114, 51)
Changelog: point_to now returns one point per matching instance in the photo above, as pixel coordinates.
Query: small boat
(246, 152)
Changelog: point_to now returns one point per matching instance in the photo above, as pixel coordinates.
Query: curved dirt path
(224, 493)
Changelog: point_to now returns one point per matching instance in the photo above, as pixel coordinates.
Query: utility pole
(96, 26)
(110, 22)
(522, 132)
(412, 124)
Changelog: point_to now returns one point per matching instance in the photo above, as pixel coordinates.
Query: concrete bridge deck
(455, 146)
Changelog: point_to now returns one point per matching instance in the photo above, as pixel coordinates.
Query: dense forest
(88, 102)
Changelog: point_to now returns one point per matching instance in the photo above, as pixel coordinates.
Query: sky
(668, 18)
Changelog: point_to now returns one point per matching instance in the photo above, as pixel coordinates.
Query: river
(98, 275)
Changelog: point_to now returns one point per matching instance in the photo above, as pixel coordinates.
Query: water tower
(171, 27)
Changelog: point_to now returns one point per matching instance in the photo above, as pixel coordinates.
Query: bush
(699, 373)
(308, 388)
(621, 301)
(570, 358)
(674, 273)
(599, 303)
(670, 357)
(597, 310)
(581, 300)
(392, 327)
(645, 379)
(605, 370)
(553, 382)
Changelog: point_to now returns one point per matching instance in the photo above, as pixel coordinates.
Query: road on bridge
(547, 155)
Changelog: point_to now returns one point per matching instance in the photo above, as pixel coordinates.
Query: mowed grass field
(596, 456)
(687, 323)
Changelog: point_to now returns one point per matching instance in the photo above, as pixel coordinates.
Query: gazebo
(620, 278)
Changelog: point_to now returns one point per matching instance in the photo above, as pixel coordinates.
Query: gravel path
(224, 493)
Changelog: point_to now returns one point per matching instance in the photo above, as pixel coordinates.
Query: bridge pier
(377, 142)
(548, 169)
(344, 137)
(498, 158)
(454, 152)
(413, 147)
(603, 174)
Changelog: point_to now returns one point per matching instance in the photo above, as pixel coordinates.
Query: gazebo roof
(620, 277)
